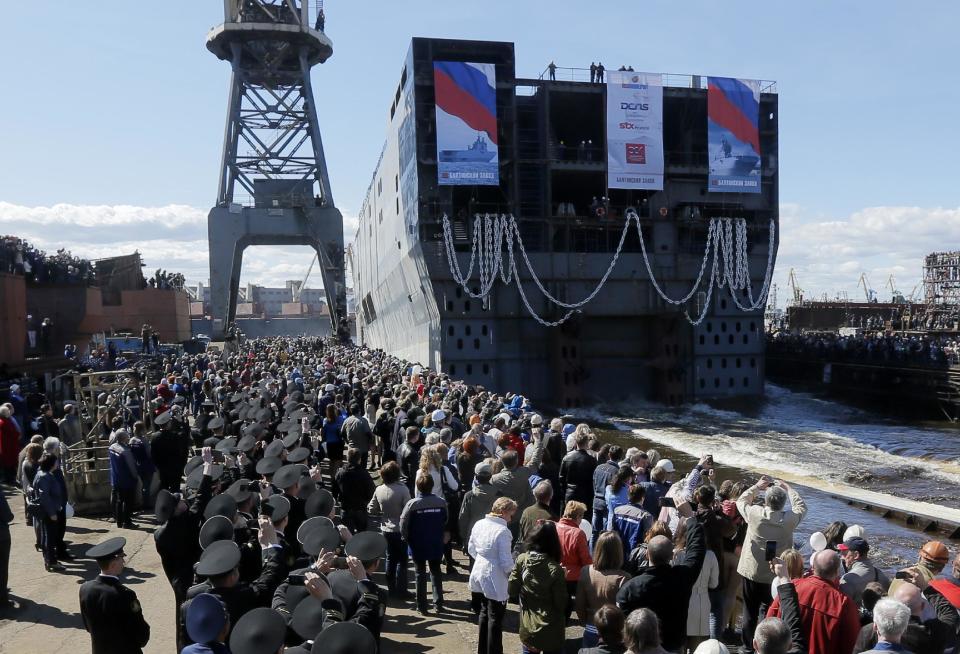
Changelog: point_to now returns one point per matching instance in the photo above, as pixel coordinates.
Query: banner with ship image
(466, 102)
(733, 135)
(634, 130)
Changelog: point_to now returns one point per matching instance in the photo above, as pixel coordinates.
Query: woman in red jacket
(9, 445)
(574, 550)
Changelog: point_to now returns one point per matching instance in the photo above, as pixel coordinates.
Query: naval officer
(110, 610)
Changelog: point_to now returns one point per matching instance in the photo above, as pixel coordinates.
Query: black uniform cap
(319, 503)
(219, 558)
(307, 486)
(281, 507)
(243, 411)
(213, 441)
(236, 397)
(253, 430)
(264, 415)
(165, 505)
(312, 524)
(193, 479)
(274, 449)
(246, 443)
(285, 426)
(308, 617)
(163, 418)
(367, 546)
(223, 504)
(239, 492)
(194, 463)
(299, 455)
(259, 631)
(292, 439)
(215, 529)
(287, 476)
(216, 423)
(108, 549)
(342, 638)
(296, 414)
(268, 465)
(322, 538)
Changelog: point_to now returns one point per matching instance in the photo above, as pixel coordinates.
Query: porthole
(459, 343)
(469, 368)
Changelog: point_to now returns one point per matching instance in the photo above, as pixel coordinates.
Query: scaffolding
(941, 290)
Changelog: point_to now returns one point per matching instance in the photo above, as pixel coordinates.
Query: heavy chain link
(726, 237)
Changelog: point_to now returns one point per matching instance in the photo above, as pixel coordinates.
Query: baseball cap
(438, 416)
(666, 465)
(855, 544)
(483, 470)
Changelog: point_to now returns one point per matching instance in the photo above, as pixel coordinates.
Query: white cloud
(173, 237)
(829, 254)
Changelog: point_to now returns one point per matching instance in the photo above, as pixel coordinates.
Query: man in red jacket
(829, 618)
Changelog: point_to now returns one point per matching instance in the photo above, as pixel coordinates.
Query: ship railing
(279, 11)
(671, 80)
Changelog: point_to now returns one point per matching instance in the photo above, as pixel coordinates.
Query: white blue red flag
(466, 109)
(733, 135)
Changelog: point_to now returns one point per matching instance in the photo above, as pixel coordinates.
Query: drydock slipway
(500, 203)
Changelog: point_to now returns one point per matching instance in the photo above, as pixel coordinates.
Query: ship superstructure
(546, 170)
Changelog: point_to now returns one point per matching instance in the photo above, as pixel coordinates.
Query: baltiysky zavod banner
(733, 135)
(466, 102)
(634, 130)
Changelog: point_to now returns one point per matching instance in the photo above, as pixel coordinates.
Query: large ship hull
(627, 342)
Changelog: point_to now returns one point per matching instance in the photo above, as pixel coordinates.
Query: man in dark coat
(110, 610)
(665, 588)
(576, 475)
(170, 451)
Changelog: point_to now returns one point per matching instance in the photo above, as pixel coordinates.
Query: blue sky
(118, 103)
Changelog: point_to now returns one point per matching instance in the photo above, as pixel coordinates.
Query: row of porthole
(452, 368)
(730, 382)
(730, 339)
(476, 344)
(739, 362)
(466, 306)
(737, 326)
(467, 330)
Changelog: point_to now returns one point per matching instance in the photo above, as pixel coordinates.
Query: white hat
(855, 531)
(14, 388)
(536, 420)
(665, 464)
(329, 388)
(438, 416)
(711, 647)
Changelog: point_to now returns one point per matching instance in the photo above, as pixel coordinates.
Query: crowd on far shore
(928, 350)
(298, 484)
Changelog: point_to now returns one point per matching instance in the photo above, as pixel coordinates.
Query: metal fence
(672, 80)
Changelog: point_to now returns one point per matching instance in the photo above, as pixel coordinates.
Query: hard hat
(935, 551)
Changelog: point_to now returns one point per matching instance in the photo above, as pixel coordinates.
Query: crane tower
(274, 188)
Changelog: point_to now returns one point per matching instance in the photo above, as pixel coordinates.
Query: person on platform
(110, 611)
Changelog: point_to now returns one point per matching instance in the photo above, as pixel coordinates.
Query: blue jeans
(396, 563)
(599, 525)
(436, 580)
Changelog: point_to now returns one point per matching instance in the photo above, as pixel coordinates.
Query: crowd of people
(18, 257)
(925, 350)
(166, 280)
(292, 477)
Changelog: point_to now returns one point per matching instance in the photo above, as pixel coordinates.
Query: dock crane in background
(869, 293)
(298, 291)
(895, 296)
(795, 286)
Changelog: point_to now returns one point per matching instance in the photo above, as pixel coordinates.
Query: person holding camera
(770, 530)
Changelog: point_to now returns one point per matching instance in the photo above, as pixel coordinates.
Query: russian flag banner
(466, 111)
(733, 135)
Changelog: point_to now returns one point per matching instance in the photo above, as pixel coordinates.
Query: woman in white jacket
(698, 612)
(489, 544)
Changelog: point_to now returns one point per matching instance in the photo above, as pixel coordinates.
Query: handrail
(671, 80)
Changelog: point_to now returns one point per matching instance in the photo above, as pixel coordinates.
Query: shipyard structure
(581, 236)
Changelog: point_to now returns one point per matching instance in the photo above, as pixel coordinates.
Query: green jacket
(540, 584)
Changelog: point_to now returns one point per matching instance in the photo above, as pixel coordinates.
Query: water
(809, 440)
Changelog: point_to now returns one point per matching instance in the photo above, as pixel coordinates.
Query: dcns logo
(634, 106)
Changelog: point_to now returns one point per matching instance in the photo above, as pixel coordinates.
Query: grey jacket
(49, 493)
(860, 574)
(765, 524)
(356, 431)
(388, 502)
(514, 484)
(474, 507)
